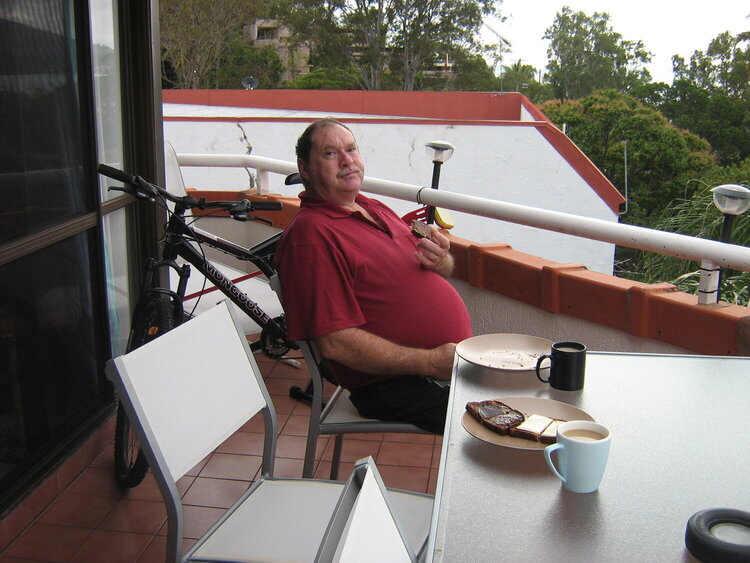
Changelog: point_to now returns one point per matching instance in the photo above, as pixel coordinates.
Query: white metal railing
(681, 246)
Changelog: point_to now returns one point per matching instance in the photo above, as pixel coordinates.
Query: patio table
(680, 444)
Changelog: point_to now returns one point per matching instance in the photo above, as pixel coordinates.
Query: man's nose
(346, 158)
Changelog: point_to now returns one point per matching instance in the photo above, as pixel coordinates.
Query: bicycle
(159, 309)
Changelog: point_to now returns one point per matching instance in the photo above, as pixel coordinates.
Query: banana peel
(444, 218)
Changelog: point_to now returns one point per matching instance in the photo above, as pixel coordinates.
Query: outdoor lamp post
(439, 152)
(732, 200)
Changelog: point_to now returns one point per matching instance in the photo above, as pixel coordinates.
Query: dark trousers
(415, 399)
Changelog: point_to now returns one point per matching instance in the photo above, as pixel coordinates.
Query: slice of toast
(495, 415)
(531, 428)
(421, 229)
(549, 436)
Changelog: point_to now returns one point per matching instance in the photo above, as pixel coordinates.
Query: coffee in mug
(567, 366)
(582, 450)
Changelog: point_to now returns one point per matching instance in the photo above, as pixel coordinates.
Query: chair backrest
(364, 527)
(190, 389)
(174, 182)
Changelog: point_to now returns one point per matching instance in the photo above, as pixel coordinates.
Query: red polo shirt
(339, 270)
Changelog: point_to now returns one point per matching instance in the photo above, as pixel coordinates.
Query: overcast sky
(666, 27)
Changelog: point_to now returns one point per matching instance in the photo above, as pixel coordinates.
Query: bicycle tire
(157, 316)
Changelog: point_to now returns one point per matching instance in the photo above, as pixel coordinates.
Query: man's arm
(364, 351)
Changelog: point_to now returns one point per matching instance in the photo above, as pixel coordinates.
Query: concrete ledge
(655, 311)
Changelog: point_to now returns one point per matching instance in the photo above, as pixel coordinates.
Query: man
(370, 294)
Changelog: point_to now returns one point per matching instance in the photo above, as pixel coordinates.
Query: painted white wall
(508, 163)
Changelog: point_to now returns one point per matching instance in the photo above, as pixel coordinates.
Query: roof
(507, 109)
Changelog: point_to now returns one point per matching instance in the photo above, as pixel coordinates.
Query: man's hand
(434, 253)
(364, 351)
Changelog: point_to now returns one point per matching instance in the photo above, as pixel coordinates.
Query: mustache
(348, 171)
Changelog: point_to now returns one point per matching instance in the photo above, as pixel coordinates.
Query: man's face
(335, 170)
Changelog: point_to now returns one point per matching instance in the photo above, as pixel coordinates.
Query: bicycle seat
(293, 178)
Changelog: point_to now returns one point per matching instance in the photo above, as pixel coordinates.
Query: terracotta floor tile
(286, 371)
(294, 446)
(48, 542)
(323, 470)
(136, 516)
(245, 443)
(198, 519)
(406, 438)
(113, 547)
(409, 455)
(296, 425)
(407, 478)
(432, 482)
(106, 459)
(146, 490)
(283, 403)
(232, 466)
(195, 471)
(155, 552)
(437, 451)
(96, 481)
(281, 386)
(74, 509)
(256, 423)
(215, 493)
(288, 468)
(353, 450)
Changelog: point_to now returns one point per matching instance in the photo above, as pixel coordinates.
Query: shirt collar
(332, 210)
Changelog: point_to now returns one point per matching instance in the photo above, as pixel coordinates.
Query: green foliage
(697, 216)
(660, 156)
(724, 121)
(586, 55)
(326, 79)
(245, 60)
(723, 68)
(196, 35)
(380, 36)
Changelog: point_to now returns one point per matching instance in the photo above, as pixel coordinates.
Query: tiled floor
(92, 521)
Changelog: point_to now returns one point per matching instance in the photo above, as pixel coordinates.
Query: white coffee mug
(582, 449)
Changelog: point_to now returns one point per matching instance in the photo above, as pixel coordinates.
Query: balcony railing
(681, 246)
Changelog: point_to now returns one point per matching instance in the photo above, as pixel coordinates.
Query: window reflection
(48, 376)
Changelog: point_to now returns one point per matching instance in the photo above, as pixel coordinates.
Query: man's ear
(302, 167)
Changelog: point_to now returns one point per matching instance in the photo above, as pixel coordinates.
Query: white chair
(188, 391)
(337, 415)
(364, 507)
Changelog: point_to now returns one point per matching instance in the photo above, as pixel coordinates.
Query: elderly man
(370, 294)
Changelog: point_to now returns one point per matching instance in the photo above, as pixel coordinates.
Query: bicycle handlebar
(141, 189)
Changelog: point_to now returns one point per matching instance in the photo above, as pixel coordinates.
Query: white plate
(528, 406)
(504, 352)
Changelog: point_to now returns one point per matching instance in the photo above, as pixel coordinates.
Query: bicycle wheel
(157, 316)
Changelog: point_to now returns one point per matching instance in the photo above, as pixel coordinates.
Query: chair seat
(282, 522)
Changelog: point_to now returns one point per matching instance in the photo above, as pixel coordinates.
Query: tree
(326, 79)
(245, 60)
(661, 157)
(586, 55)
(196, 35)
(723, 68)
(373, 36)
(424, 28)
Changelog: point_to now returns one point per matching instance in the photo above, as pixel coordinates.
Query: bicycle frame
(178, 233)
